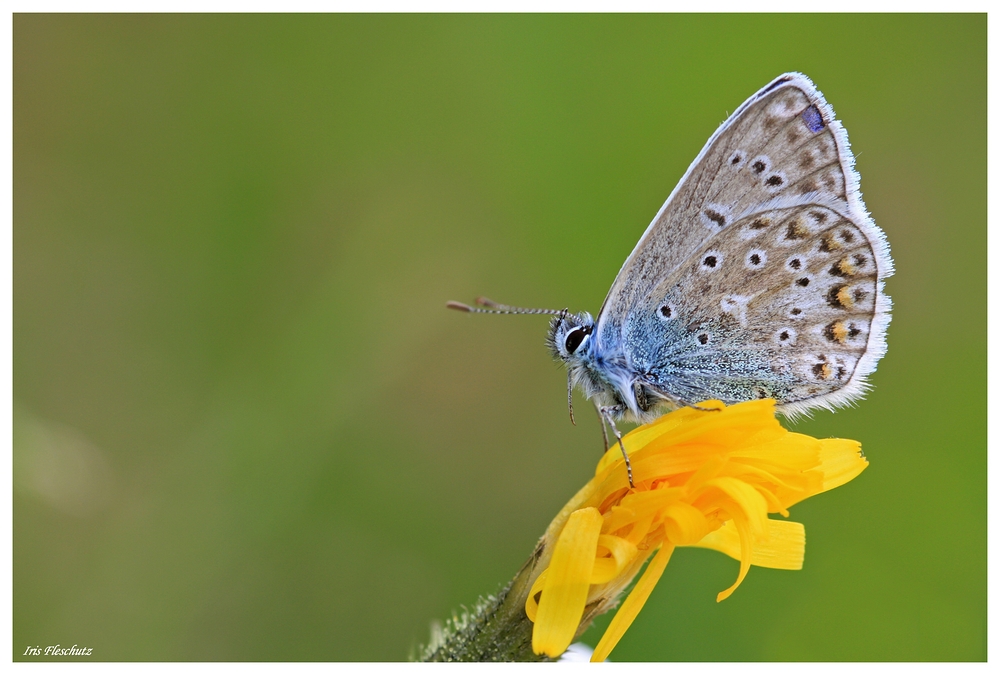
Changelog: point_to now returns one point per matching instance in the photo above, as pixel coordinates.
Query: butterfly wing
(761, 275)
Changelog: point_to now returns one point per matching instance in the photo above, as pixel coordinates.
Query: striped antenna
(497, 308)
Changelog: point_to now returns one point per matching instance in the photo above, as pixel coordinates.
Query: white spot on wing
(736, 305)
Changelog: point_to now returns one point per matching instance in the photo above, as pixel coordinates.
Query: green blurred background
(247, 428)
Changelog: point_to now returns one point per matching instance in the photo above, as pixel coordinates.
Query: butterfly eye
(574, 338)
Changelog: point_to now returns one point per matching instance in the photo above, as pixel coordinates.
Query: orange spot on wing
(829, 243)
(836, 331)
(844, 297)
(846, 266)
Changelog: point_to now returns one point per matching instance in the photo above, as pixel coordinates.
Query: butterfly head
(571, 336)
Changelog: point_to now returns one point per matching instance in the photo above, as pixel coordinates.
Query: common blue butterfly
(760, 277)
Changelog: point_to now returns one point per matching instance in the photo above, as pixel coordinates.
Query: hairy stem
(496, 629)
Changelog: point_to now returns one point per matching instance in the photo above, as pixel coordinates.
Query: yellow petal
(622, 553)
(786, 452)
(783, 550)
(633, 603)
(647, 503)
(639, 530)
(568, 580)
(742, 495)
(531, 604)
(840, 461)
(710, 467)
(680, 439)
(746, 554)
(604, 571)
(619, 517)
(684, 524)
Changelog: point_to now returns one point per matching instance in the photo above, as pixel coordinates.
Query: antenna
(497, 308)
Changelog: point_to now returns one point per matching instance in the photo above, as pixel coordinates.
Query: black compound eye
(574, 338)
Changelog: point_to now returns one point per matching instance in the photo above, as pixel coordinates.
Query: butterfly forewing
(761, 276)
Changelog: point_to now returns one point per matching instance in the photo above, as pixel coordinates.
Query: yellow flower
(702, 478)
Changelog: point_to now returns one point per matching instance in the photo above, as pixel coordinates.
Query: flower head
(706, 478)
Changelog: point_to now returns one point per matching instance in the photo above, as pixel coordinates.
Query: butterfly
(761, 276)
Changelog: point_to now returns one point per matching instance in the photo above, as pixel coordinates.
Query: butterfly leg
(606, 415)
(604, 429)
(677, 404)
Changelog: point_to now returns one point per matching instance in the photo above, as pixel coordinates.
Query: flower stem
(496, 629)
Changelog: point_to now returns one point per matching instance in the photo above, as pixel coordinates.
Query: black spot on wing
(715, 217)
